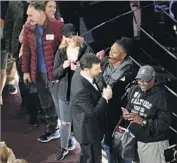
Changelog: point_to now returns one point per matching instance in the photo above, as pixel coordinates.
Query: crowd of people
(80, 91)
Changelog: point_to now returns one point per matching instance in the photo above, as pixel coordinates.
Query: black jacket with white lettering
(152, 106)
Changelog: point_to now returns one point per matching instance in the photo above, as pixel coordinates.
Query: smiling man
(148, 113)
(42, 37)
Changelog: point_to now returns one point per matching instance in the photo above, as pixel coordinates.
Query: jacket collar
(89, 85)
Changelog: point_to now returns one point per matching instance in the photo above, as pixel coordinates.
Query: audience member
(88, 103)
(39, 45)
(67, 59)
(149, 116)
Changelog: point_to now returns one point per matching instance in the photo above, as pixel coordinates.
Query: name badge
(50, 37)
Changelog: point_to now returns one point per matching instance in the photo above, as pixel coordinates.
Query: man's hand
(125, 113)
(66, 64)
(107, 93)
(26, 78)
(135, 118)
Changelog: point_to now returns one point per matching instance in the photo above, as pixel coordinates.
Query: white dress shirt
(90, 80)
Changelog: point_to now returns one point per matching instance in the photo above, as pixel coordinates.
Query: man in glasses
(146, 78)
(149, 116)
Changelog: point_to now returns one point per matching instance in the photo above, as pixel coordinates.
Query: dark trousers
(44, 86)
(30, 99)
(33, 105)
(91, 153)
(24, 90)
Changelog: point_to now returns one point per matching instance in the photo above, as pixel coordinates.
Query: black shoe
(49, 136)
(61, 154)
(71, 144)
(12, 89)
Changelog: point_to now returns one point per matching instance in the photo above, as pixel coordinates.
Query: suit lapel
(89, 85)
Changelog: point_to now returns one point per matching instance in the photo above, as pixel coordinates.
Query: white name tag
(49, 36)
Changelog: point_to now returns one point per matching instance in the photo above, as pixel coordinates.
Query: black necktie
(95, 82)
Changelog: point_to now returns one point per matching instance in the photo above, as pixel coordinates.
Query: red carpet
(16, 134)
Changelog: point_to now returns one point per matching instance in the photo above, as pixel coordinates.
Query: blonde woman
(66, 61)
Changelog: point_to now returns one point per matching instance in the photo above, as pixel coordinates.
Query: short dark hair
(88, 60)
(37, 5)
(126, 44)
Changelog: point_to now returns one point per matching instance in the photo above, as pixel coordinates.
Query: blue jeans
(65, 130)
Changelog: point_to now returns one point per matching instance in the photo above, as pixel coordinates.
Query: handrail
(170, 90)
(168, 15)
(162, 47)
(174, 114)
(116, 17)
(173, 129)
(171, 54)
(163, 69)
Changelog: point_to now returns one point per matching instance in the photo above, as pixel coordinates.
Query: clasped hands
(71, 64)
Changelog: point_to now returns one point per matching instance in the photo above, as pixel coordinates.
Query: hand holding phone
(125, 113)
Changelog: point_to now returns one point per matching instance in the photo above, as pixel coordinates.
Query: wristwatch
(144, 122)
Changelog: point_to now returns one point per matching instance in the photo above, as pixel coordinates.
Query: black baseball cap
(69, 30)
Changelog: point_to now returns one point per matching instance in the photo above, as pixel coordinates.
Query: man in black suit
(88, 104)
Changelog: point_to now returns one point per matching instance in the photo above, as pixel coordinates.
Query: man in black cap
(117, 71)
(148, 113)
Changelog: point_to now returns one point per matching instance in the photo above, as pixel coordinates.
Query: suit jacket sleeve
(26, 56)
(86, 104)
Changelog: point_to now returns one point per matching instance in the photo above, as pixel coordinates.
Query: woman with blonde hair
(66, 61)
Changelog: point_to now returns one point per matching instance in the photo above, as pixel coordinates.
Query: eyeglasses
(140, 81)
